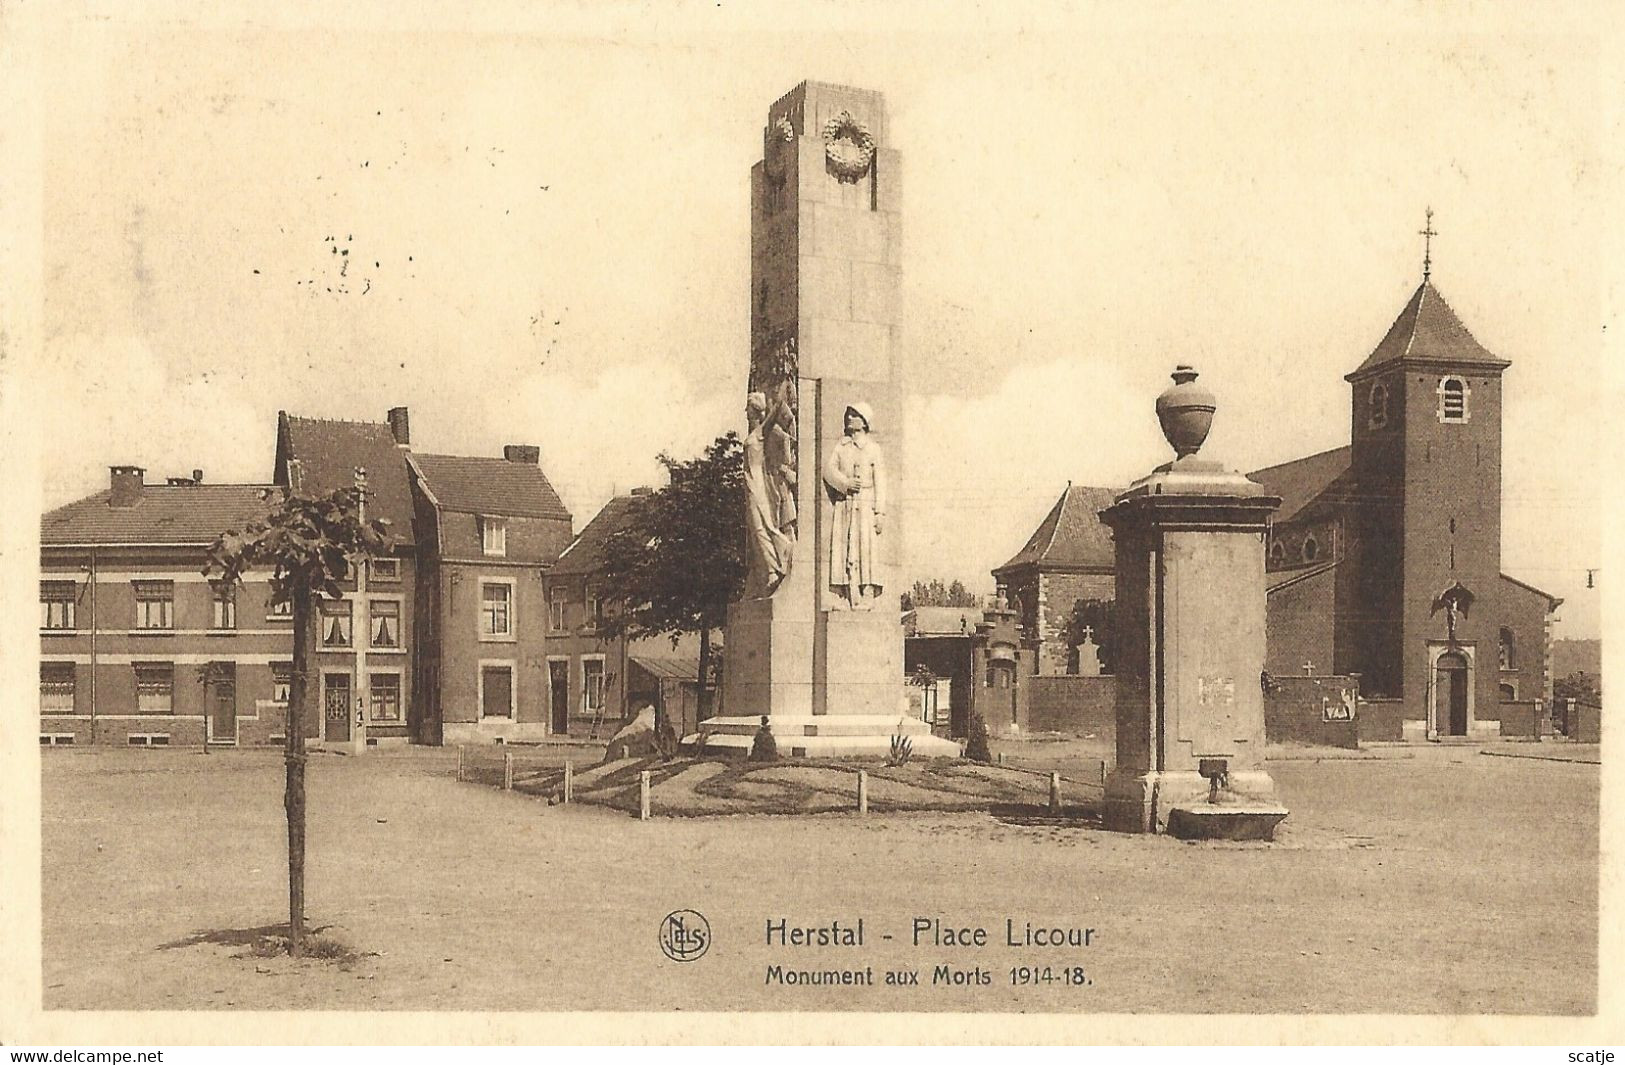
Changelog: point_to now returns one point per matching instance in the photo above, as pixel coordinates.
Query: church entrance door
(1450, 680)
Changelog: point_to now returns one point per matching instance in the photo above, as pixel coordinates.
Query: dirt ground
(1439, 882)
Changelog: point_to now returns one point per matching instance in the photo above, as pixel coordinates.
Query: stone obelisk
(816, 644)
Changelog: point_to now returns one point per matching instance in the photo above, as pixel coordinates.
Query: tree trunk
(293, 796)
(704, 710)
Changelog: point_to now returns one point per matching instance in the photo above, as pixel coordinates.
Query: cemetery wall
(1310, 710)
(1520, 719)
(1078, 706)
(1380, 720)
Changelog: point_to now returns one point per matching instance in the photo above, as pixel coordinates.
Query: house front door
(223, 707)
(558, 687)
(336, 706)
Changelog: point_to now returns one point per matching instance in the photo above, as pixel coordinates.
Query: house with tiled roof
(1384, 559)
(590, 671)
(365, 640)
(489, 530)
(1069, 558)
(137, 647)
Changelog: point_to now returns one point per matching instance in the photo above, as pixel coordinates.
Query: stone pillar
(826, 265)
(1190, 644)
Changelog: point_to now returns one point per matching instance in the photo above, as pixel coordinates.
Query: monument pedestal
(820, 736)
(1190, 613)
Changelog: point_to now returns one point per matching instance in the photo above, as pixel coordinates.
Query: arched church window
(1377, 406)
(1277, 552)
(1311, 548)
(1509, 650)
(1453, 394)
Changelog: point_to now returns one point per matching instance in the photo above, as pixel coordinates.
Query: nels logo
(685, 935)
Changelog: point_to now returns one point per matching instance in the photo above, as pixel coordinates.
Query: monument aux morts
(815, 645)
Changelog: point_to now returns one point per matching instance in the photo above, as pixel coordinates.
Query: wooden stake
(569, 780)
(643, 795)
(507, 770)
(863, 792)
(462, 758)
(1055, 793)
(1001, 757)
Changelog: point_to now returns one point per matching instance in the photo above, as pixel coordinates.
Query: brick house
(489, 529)
(137, 647)
(586, 669)
(1069, 557)
(1384, 559)
(364, 641)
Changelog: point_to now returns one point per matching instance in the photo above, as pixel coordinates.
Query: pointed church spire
(1427, 233)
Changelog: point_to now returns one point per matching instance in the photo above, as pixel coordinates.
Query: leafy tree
(680, 560)
(1580, 686)
(935, 593)
(310, 544)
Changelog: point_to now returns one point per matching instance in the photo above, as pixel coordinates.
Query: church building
(1384, 559)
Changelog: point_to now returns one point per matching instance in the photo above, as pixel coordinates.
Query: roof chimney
(643, 490)
(127, 482)
(398, 427)
(197, 476)
(524, 454)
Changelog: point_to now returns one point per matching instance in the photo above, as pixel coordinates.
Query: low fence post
(643, 795)
(1001, 757)
(462, 756)
(1054, 793)
(507, 770)
(569, 780)
(863, 792)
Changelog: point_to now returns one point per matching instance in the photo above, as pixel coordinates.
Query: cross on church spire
(1427, 232)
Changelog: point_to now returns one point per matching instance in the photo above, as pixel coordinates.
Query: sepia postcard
(809, 524)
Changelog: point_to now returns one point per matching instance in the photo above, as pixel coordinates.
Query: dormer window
(1377, 406)
(493, 536)
(1277, 552)
(1453, 396)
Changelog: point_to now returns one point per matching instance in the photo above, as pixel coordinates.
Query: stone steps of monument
(870, 746)
(787, 726)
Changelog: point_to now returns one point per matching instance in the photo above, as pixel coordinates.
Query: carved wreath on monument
(848, 147)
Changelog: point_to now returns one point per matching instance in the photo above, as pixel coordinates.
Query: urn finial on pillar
(1185, 410)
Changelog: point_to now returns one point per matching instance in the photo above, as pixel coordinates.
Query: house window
(56, 600)
(56, 687)
(279, 611)
(155, 688)
(496, 609)
(1508, 645)
(282, 682)
(154, 604)
(225, 606)
(496, 691)
(595, 608)
(385, 693)
(1311, 548)
(1377, 406)
(494, 536)
(384, 569)
(592, 685)
(1453, 394)
(385, 616)
(555, 611)
(336, 623)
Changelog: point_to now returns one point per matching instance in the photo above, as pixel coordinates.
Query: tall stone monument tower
(816, 644)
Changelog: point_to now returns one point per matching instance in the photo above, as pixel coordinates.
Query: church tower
(1424, 535)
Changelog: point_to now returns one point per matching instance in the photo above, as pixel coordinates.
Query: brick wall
(1078, 706)
(1057, 592)
(1295, 710)
(1380, 720)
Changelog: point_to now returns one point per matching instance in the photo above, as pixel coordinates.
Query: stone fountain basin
(1228, 821)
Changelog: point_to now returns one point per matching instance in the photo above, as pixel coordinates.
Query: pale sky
(547, 237)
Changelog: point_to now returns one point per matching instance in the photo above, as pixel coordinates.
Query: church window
(1453, 394)
(1508, 649)
(1377, 406)
(1277, 552)
(1311, 548)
